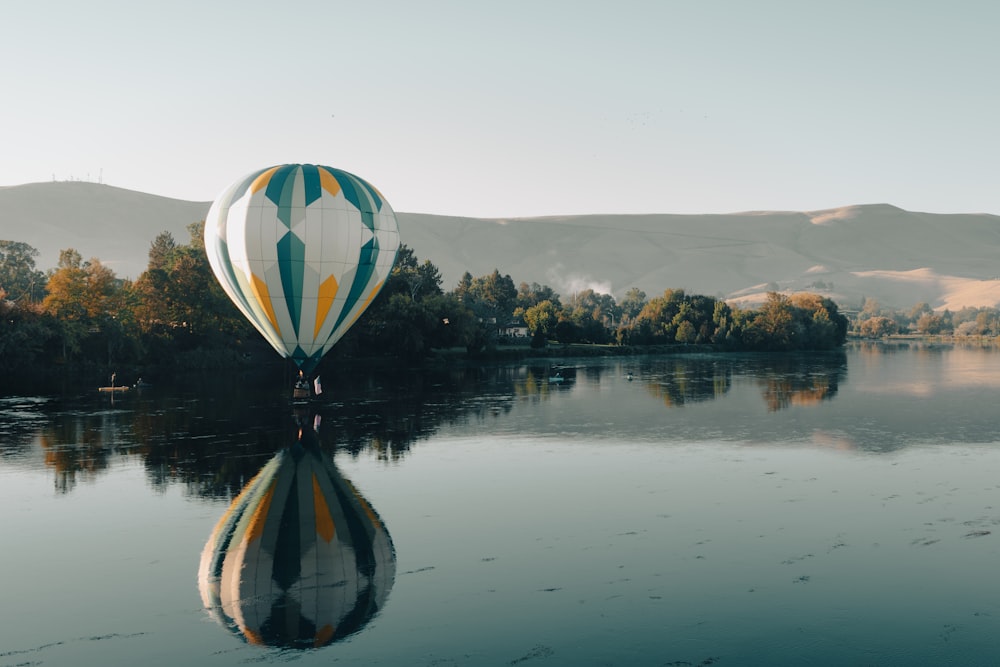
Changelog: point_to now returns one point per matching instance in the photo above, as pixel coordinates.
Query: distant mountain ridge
(897, 257)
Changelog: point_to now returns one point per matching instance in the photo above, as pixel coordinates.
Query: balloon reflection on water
(300, 559)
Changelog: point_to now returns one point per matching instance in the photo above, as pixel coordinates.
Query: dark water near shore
(833, 509)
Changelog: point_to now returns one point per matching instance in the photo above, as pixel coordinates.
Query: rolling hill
(897, 257)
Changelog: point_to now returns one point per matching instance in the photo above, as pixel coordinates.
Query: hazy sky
(516, 108)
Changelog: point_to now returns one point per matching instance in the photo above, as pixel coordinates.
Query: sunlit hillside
(880, 251)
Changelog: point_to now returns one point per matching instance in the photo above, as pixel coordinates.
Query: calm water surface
(839, 509)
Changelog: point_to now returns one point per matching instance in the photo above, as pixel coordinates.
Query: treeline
(876, 321)
(176, 314)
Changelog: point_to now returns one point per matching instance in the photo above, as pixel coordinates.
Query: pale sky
(516, 108)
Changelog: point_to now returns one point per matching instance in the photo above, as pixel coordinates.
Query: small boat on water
(121, 388)
(559, 374)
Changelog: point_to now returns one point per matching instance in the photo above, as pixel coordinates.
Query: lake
(707, 509)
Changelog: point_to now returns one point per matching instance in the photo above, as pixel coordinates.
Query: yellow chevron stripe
(324, 522)
(327, 291)
(259, 288)
(256, 528)
(328, 182)
(261, 181)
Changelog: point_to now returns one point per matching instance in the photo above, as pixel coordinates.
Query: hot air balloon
(300, 559)
(301, 250)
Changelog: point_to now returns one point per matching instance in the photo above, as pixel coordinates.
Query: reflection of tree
(213, 433)
(76, 447)
(388, 410)
(20, 419)
(785, 379)
(798, 380)
(534, 382)
(682, 380)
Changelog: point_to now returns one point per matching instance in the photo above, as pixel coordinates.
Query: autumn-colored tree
(933, 324)
(776, 322)
(541, 319)
(81, 296)
(686, 332)
(878, 326)
(822, 327)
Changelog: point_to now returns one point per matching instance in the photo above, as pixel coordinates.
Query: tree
(410, 277)
(81, 295)
(988, 322)
(722, 321)
(18, 277)
(534, 294)
(819, 322)
(686, 333)
(542, 318)
(632, 303)
(451, 323)
(178, 305)
(464, 286)
(492, 298)
(566, 331)
(657, 322)
(161, 251)
(877, 327)
(23, 334)
(411, 316)
(932, 324)
(775, 321)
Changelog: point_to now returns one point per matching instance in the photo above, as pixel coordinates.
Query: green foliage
(541, 318)
(178, 303)
(534, 294)
(632, 304)
(19, 279)
(686, 332)
(25, 331)
(492, 299)
(176, 313)
(801, 321)
(411, 316)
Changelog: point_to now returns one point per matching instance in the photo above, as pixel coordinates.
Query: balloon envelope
(301, 250)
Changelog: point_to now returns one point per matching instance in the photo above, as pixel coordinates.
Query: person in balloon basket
(301, 385)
